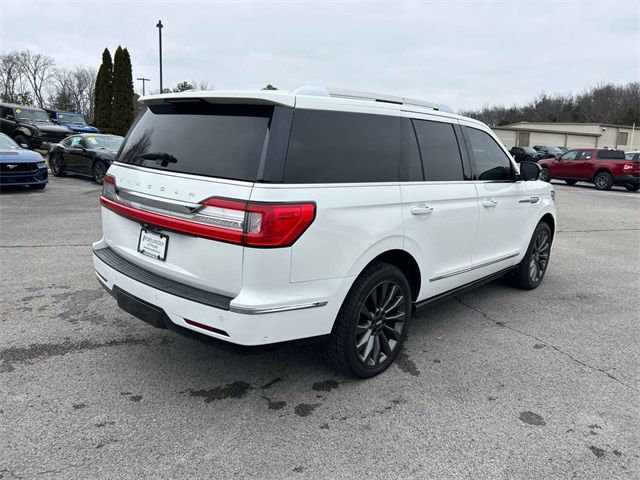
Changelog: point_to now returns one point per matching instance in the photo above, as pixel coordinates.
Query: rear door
(504, 205)
(176, 158)
(440, 210)
(581, 167)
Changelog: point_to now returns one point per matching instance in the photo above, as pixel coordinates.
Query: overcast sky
(465, 54)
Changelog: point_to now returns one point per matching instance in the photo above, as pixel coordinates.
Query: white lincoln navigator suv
(264, 217)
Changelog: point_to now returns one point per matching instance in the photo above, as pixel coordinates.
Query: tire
(56, 163)
(98, 171)
(20, 139)
(632, 187)
(603, 181)
(571, 182)
(531, 270)
(545, 175)
(38, 187)
(381, 338)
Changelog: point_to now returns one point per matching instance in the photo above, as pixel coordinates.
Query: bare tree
(73, 89)
(38, 70)
(13, 86)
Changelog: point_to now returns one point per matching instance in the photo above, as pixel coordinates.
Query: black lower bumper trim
(137, 307)
(125, 267)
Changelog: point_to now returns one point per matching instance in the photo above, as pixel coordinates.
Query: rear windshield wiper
(162, 158)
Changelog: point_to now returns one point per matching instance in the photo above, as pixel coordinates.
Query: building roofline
(573, 123)
(515, 128)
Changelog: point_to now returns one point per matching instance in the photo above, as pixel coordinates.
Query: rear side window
(611, 154)
(341, 147)
(491, 161)
(441, 159)
(199, 138)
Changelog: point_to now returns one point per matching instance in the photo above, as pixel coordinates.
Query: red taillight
(109, 187)
(267, 224)
(254, 224)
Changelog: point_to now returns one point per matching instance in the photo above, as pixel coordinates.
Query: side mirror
(25, 146)
(530, 171)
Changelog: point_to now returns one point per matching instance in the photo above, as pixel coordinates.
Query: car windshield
(32, 115)
(6, 142)
(71, 118)
(553, 150)
(109, 142)
(530, 150)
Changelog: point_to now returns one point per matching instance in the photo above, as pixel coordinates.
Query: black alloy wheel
(545, 175)
(99, 170)
(539, 258)
(531, 270)
(372, 323)
(56, 165)
(380, 323)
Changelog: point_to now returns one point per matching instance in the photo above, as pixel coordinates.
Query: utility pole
(144, 80)
(159, 25)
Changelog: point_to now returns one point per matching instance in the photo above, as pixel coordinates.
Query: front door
(503, 202)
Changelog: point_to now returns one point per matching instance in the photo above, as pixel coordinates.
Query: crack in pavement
(603, 230)
(503, 324)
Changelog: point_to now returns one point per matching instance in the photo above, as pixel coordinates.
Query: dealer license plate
(153, 244)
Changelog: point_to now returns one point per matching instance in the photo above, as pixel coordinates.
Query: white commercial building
(570, 135)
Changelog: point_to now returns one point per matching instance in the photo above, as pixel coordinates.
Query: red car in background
(602, 167)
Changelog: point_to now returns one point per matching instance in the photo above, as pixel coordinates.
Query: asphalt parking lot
(497, 383)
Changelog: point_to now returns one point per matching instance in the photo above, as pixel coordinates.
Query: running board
(468, 286)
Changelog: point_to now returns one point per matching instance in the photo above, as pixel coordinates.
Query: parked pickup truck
(604, 168)
(71, 120)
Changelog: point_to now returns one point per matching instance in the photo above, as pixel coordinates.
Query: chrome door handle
(489, 203)
(530, 200)
(421, 210)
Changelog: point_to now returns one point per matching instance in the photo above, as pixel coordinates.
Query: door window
(584, 155)
(569, 155)
(492, 163)
(76, 142)
(441, 159)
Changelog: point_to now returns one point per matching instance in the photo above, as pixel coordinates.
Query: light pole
(144, 80)
(159, 25)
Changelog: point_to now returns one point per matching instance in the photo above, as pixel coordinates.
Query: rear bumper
(172, 304)
(632, 179)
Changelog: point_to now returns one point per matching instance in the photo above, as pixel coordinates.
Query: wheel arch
(551, 222)
(405, 262)
(600, 170)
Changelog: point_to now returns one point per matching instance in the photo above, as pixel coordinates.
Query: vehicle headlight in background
(42, 164)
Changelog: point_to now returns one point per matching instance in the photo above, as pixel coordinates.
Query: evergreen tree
(104, 93)
(122, 111)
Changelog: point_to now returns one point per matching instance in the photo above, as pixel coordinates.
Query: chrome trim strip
(475, 267)
(285, 308)
(157, 202)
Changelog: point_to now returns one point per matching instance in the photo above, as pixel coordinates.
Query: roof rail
(320, 91)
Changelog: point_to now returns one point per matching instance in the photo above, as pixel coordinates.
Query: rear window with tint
(222, 141)
(441, 158)
(611, 154)
(341, 147)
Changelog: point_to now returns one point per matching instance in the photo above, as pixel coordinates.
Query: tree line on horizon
(607, 103)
